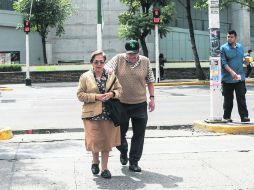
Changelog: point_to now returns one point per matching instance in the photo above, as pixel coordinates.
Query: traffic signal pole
(156, 21)
(157, 74)
(28, 81)
(99, 26)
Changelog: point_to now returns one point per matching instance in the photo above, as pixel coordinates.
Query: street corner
(3, 88)
(249, 80)
(6, 134)
(229, 128)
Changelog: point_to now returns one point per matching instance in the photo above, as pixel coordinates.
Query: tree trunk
(199, 71)
(43, 39)
(144, 47)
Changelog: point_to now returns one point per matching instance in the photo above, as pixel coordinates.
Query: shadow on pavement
(133, 181)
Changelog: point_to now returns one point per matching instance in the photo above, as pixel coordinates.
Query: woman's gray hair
(98, 52)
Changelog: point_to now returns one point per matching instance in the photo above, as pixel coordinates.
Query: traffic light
(156, 15)
(26, 26)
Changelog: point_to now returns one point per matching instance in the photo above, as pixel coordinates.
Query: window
(6, 4)
(9, 57)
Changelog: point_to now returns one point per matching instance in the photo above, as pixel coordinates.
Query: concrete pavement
(172, 159)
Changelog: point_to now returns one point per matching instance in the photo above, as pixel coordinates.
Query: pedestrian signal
(156, 15)
(26, 26)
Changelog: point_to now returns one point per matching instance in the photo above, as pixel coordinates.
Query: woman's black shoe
(106, 174)
(95, 168)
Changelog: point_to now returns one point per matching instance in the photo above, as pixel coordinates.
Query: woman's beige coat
(87, 89)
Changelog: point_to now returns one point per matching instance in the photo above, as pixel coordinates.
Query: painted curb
(6, 134)
(5, 89)
(182, 83)
(201, 82)
(230, 128)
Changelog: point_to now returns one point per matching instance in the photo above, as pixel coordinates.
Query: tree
(199, 71)
(45, 14)
(136, 22)
(226, 3)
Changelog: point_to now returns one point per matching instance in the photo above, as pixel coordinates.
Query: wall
(73, 76)
(12, 39)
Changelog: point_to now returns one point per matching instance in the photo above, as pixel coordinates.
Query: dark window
(9, 57)
(6, 4)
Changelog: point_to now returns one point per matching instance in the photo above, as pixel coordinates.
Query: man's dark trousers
(138, 115)
(228, 93)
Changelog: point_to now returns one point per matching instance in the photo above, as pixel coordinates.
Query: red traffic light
(26, 26)
(156, 15)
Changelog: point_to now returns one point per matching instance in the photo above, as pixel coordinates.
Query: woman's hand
(104, 97)
(100, 97)
(108, 95)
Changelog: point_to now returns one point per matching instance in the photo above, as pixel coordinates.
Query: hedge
(10, 68)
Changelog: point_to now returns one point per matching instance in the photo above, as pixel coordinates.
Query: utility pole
(215, 62)
(99, 26)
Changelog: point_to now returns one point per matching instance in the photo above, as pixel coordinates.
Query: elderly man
(134, 72)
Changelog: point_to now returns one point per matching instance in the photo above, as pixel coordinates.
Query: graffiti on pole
(215, 42)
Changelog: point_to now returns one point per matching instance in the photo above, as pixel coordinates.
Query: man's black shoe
(228, 120)
(245, 119)
(134, 167)
(123, 158)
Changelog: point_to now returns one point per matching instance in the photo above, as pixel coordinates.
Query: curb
(230, 128)
(5, 89)
(6, 134)
(199, 82)
(182, 83)
(73, 130)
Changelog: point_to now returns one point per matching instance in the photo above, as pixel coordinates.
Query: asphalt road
(55, 106)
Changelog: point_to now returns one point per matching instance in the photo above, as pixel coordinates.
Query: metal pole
(99, 26)
(28, 80)
(215, 62)
(157, 67)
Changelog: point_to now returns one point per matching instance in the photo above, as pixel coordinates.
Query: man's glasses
(98, 62)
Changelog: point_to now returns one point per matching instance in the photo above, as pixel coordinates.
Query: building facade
(80, 38)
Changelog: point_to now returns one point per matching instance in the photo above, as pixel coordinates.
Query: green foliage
(10, 68)
(137, 23)
(46, 14)
(226, 3)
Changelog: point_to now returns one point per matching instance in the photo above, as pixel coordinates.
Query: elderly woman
(100, 133)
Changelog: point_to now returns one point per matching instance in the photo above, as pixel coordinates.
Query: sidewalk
(174, 159)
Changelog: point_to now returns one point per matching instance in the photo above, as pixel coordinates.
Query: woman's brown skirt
(101, 135)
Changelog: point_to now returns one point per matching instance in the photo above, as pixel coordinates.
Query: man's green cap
(132, 46)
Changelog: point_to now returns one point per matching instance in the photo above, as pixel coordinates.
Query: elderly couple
(132, 72)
